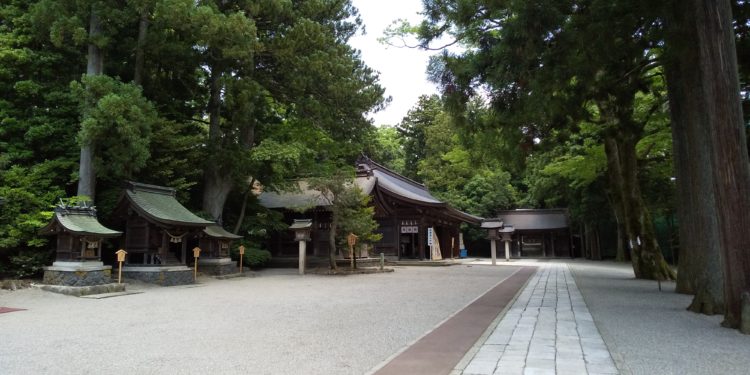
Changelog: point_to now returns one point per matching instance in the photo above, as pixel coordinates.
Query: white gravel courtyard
(275, 323)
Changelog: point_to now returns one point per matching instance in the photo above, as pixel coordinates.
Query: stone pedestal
(217, 266)
(160, 275)
(85, 273)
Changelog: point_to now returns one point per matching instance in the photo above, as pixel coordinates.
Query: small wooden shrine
(157, 231)
(79, 237)
(215, 242)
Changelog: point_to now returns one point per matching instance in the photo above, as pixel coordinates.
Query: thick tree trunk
(700, 266)
(241, 218)
(215, 193)
(622, 170)
(140, 54)
(217, 183)
(613, 198)
(731, 166)
(94, 66)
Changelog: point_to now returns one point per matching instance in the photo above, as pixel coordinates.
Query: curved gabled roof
(158, 203)
(370, 176)
(216, 231)
(78, 220)
(405, 188)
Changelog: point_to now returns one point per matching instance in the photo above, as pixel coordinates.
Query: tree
(351, 211)
(707, 115)
(388, 149)
(412, 130)
(538, 63)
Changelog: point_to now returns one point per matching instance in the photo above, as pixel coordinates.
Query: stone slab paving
(548, 330)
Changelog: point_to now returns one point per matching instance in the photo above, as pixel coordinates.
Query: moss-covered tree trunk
(622, 170)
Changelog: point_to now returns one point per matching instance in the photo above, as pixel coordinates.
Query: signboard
(430, 234)
(435, 246)
(410, 229)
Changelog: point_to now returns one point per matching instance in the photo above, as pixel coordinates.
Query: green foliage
(412, 130)
(351, 209)
(355, 215)
(117, 122)
(254, 257)
(28, 195)
(388, 149)
(451, 165)
(29, 264)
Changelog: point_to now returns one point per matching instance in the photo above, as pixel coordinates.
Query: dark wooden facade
(404, 210)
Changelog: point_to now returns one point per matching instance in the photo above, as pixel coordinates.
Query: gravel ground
(275, 323)
(651, 332)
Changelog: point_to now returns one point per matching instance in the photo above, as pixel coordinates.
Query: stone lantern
(302, 230)
(507, 234)
(492, 226)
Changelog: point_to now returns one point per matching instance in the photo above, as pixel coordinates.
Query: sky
(402, 70)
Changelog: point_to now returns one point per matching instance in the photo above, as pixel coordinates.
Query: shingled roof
(536, 219)
(370, 175)
(216, 231)
(158, 203)
(77, 220)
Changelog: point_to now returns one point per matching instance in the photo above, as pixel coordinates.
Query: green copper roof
(159, 204)
(78, 220)
(217, 231)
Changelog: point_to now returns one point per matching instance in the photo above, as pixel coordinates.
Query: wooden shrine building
(79, 237)
(157, 231)
(539, 233)
(214, 242)
(404, 209)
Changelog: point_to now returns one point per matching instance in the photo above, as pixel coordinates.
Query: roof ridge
(378, 166)
(139, 186)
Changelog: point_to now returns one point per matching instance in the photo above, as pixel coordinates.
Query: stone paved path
(548, 330)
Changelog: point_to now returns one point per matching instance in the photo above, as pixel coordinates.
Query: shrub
(254, 257)
(29, 264)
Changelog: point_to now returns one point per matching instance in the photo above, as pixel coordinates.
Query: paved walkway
(548, 330)
(440, 350)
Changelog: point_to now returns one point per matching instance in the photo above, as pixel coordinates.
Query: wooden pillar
(164, 247)
(552, 242)
(421, 237)
(184, 250)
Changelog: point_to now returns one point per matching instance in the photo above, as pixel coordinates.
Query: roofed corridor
(548, 330)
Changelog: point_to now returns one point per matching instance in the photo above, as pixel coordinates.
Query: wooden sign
(120, 258)
(242, 255)
(351, 239)
(410, 229)
(196, 255)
